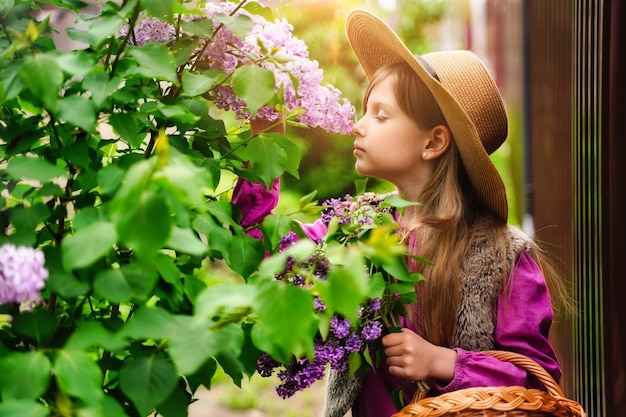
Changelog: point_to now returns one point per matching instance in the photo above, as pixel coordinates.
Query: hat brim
(377, 45)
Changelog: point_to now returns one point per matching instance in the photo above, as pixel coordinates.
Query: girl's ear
(440, 137)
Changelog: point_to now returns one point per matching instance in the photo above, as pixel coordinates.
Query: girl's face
(388, 143)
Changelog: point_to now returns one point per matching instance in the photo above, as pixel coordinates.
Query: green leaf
(24, 375)
(198, 27)
(147, 226)
(162, 9)
(38, 326)
(177, 403)
(177, 113)
(147, 381)
(66, 284)
(99, 30)
(33, 168)
(254, 85)
(78, 375)
(125, 284)
(203, 376)
(197, 84)
(398, 202)
(17, 408)
(166, 267)
(218, 236)
(100, 87)
(127, 126)
(194, 343)
(154, 60)
(270, 159)
(78, 111)
(185, 241)
(76, 62)
(347, 286)
(44, 78)
(275, 226)
(93, 333)
(231, 366)
(149, 323)
(240, 25)
(88, 245)
(293, 151)
(110, 178)
(245, 254)
(224, 297)
(292, 307)
(354, 362)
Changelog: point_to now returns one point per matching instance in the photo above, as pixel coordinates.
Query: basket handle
(552, 387)
(531, 366)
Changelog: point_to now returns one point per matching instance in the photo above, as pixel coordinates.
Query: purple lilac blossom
(353, 343)
(22, 273)
(340, 327)
(337, 207)
(374, 305)
(372, 331)
(319, 305)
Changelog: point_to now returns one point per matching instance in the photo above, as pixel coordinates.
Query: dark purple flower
(265, 365)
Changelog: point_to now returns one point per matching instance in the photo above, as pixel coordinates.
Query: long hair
(450, 218)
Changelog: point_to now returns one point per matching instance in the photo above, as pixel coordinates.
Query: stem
(131, 28)
(4, 28)
(219, 27)
(150, 147)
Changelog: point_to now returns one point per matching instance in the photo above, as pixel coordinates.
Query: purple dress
(522, 326)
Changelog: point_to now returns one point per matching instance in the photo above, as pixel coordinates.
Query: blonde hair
(450, 218)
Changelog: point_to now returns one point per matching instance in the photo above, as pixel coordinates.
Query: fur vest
(481, 281)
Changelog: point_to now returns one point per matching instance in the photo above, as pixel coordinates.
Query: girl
(429, 124)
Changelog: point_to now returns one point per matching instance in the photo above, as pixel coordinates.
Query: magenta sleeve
(524, 316)
(256, 202)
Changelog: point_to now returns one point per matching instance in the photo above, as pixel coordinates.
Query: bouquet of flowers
(348, 341)
(233, 46)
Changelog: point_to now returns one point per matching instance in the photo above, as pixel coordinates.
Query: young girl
(429, 124)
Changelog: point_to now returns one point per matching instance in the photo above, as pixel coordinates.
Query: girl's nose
(357, 128)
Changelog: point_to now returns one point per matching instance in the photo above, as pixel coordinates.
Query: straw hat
(464, 89)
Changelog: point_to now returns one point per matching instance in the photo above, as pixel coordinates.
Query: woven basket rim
(500, 400)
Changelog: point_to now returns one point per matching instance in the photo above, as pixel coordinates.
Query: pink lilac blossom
(22, 274)
(323, 105)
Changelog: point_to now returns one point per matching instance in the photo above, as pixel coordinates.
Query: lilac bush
(299, 80)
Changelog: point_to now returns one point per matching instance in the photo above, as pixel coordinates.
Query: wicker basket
(511, 401)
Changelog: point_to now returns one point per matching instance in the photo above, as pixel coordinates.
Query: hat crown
(466, 79)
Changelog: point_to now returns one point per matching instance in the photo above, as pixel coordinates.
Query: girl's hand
(411, 357)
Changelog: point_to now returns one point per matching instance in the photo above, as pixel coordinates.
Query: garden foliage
(117, 164)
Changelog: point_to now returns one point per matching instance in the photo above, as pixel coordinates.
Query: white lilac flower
(22, 274)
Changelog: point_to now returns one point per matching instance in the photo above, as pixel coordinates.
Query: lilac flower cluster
(322, 105)
(344, 340)
(22, 274)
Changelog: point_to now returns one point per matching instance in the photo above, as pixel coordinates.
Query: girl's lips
(357, 151)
